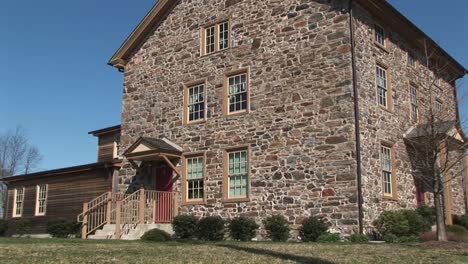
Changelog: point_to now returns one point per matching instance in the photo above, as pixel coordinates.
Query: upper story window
(387, 170)
(411, 60)
(195, 103)
(437, 81)
(116, 146)
(215, 38)
(379, 33)
(18, 202)
(381, 81)
(237, 174)
(414, 103)
(237, 93)
(195, 179)
(438, 106)
(41, 199)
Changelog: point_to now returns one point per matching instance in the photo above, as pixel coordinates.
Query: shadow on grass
(275, 254)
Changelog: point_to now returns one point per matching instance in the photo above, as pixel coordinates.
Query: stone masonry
(300, 128)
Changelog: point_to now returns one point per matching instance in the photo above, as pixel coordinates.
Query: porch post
(84, 224)
(142, 205)
(109, 208)
(118, 208)
(175, 204)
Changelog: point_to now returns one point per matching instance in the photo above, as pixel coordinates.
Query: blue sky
(54, 80)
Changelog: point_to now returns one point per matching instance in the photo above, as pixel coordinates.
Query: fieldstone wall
(379, 125)
(300, 129)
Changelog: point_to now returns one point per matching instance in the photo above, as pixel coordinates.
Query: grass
(23, 250)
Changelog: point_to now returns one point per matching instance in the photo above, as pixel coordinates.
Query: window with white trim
(381, 81)
(41, 199)
(387, 173)
(237, 93)
(196, 102)
(195, 179)
(438, 106)
(379, 35)
(18, 202)
(237, 174)
(215, 38)
(411, 60)
(414, 103)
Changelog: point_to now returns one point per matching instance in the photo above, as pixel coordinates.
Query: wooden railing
(127, 211)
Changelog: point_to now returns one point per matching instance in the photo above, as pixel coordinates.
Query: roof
(163, 7)
(152, 146)
(106, 130)
(61, 171)
(449, 128)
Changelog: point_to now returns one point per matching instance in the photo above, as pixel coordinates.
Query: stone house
(288, 107)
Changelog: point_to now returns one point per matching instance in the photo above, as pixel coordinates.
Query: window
(386, 163)
(195, 179)
(195, 103)
(438, 107)
(379, 35)
(237, 174)
(437, 81)
(18, 202)
(414, 103)
(41, 199)
(411, 60)
(116, 146)
(215, 38)
(237, 93)
(382, 92)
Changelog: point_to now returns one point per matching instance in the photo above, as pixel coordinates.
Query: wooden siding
(106, 147)
(65, 195)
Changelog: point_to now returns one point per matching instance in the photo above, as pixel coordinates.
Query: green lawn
(80, 251)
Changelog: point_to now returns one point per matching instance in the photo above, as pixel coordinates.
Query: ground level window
(237, 174)
(195, 178)
(41, 199)
(387, 173)
(19, 202)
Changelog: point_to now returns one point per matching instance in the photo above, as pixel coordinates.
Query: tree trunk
(439, 207)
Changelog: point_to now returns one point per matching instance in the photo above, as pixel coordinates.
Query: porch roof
(145, 148)
(444, 129)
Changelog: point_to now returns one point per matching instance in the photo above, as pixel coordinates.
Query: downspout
(357, 129)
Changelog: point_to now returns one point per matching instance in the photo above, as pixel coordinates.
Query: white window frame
(15, 200)
(200, 179)
(197, 87)
(229, 175)
(38, 199)
(231, 92)
(387, 171)
(117, 139)
(381, 73)
(216, 32)
(438, 106)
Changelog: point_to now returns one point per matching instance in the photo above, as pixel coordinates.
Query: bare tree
(17, 155)
(437, 145)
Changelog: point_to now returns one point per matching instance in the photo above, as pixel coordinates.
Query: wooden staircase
(126, 212)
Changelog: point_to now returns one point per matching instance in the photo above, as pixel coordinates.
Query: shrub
(392, 222)
(357, 238)
(432, 236)
(312, 228)
(390, 238)
(461, 220)
(211, 228)
(416, 222)
(60, 228)
(3, 227)
(329, 238)
(185, 226)
(19, 226)
(408, 239)
(156, 235)
(456, 229)
(277, 228)
(243, 228)
(428, 214)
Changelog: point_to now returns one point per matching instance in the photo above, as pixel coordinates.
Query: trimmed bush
(185, 226)
(156, 235)
(392, 222)
(243, 228)
(329, 238)
(3, 227)
(461, 220)
(311, 229)
(357, 238)
(390, 238)
(277, 228)
(19, 226)
(428, 214)
(456, 229)
(416, 223)
(61, 228)
(211, 228)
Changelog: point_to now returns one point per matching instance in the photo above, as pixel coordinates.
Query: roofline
(412, 26)
(61, 171)
(105, 130)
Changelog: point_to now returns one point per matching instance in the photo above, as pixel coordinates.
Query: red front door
(164, 202)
